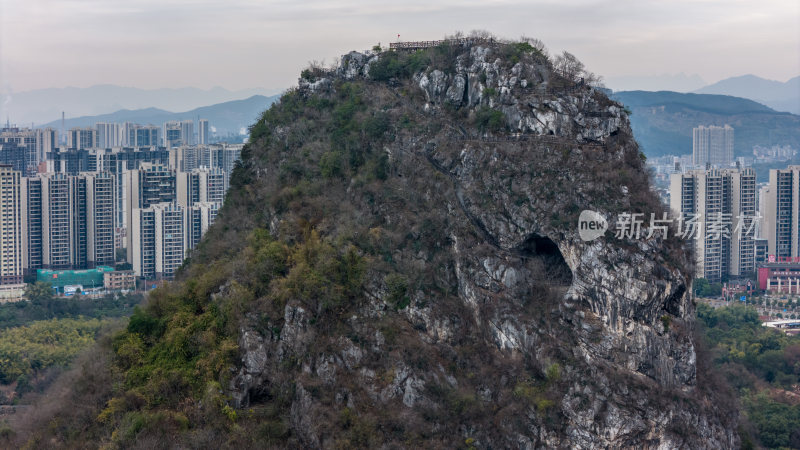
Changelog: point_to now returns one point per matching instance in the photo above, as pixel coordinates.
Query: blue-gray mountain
(781, 96)
(662, 121)
(43, 105)
(227, 118)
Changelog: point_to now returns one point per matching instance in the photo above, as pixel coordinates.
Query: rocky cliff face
(485, 320)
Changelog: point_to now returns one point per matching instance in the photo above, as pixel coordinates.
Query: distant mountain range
(780, 96)
(775, 94)
(227, 118)
(662, 121)
(45, 105)
(680, 82)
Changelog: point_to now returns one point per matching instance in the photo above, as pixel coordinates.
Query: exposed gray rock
(352, 65)
(302, 418)
(254, 362)
(309, 87)
(434, 85)
(456, 91)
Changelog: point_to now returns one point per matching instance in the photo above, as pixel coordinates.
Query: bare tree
(537, 44)
(568, 66)
(455, 36)
(481, 34)
(593, 79)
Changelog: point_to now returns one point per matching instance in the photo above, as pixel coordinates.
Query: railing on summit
(418, 45)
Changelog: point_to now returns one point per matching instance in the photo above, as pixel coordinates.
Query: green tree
(26, 350)
(700, 285)
(757, 361)
(39, 293)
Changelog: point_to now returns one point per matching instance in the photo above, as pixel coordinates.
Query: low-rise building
(119, 280)
(88, 279)
(781, 274)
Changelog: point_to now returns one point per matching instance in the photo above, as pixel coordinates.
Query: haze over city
(243, 43)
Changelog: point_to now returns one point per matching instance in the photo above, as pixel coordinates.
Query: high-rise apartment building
(745, 216)
(721, 204)
(712, 145)
(781, 208)
(134, 135)
(762, 251)
(46, 142)
(31, 193)
(121, 159)
(225, 156)
(159, 241)
(146, 136)
(82, 138)
(125, 131)
(148, 185)
(101, 218)
(202, 132)
(14, 155)
(142, 242)
(187, 132)
(200, 185)
(169, 211)
(163, 234)
(170, 237)
(187, 158)
(178, 133)
(10, 228)
(19, 149)
(172, 134)
(108, 135)
(70, 161)
(57, 230)
(69, 221)
(200, 217)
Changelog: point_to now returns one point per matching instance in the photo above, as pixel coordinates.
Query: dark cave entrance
(546, 261)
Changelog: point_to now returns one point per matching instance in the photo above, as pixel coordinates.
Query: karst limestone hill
(398, 265)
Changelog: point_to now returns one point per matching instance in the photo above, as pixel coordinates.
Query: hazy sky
(265, 43)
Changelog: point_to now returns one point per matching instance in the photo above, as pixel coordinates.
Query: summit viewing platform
(417, 45)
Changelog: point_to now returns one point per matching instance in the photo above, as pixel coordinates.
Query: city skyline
(712, 39)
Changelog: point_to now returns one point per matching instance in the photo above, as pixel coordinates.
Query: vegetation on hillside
(27, 350)
(763, 367)
(173, 360)
(39, 338)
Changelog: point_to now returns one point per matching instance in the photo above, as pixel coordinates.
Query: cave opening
(547, 261)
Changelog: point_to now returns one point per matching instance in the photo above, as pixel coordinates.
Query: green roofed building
(91, 278)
